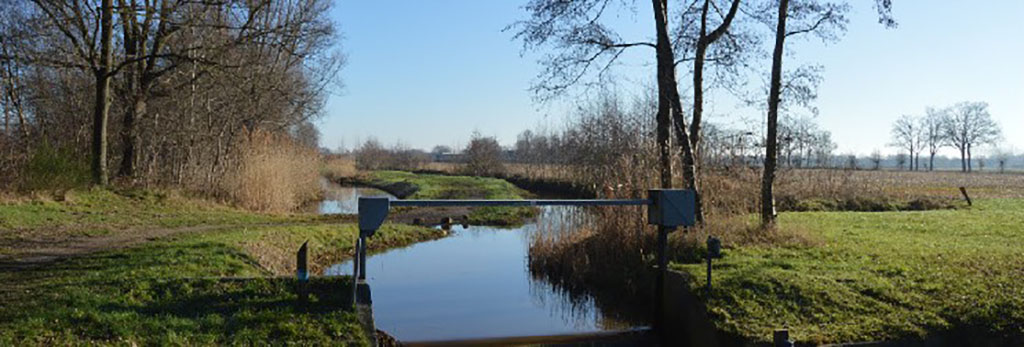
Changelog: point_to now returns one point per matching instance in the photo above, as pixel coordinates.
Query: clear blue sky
(431, 72)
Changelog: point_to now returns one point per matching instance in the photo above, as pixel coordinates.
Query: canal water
(475, 283)
(339, 199)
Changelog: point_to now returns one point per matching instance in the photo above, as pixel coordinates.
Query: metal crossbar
(666, 208)
(580, 202)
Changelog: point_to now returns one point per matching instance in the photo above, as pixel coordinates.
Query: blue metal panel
(372, 212)
(672, 207)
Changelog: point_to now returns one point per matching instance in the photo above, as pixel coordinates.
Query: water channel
(475, 283)
(340, 199)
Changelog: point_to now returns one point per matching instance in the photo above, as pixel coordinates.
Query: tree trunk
(970, 168)
(102, 105)
(666, 91)
(771, 140)
(691, 155)
(963, 159)
(911, 157)
(129, 138)
(931, 162)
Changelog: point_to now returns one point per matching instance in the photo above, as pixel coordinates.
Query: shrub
(337, 166)
(273, 174)
(50, 167)
(483, 157)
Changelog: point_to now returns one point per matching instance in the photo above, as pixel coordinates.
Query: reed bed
(274, 174)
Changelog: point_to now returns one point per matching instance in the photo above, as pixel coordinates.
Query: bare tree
(825, 21)
(932, 133)
(188, 79)
(1002, 156)
(968, 125)
(906, 134)
(483, 156)
(901, 160)
(876, 160)
(822, 20)
(588, 46)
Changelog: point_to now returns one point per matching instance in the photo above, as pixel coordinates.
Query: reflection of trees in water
(578, 304)
(580, 307)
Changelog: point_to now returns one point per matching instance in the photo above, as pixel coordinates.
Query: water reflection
(342, 200)
(475, 284)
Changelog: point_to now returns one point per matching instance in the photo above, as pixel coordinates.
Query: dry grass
(274, 174)
(339, 166)
(594, 253)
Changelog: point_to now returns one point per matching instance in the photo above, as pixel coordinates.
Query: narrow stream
(475, 284)
(339, 199)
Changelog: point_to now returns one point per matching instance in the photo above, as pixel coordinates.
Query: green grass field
(227, 284)
(170, 292)
(432, 186)
(877, 276)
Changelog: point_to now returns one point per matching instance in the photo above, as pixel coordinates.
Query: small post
(362, 258)
(714, 250)
(302, 272)
(780, 338)
(963, 190)
(355, 271)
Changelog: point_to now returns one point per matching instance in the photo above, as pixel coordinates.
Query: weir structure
(666, 208)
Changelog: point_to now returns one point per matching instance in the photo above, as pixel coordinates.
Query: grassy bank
(143, 267)
(877, 276)
(89, 213)
(429, 186)
(169, 293)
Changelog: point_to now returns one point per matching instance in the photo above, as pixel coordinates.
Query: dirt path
(33, 253)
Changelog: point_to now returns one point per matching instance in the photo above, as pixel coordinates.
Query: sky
(426, 73)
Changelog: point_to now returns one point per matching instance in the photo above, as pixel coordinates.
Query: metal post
(659, 289)
(355, 261)
(362, 257)
(355, 272)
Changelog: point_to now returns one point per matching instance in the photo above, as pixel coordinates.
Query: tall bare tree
(102, 112)
(586, 46)
(811, 17)
(824, 20)
(906, 134)
(968, 125)
(932, 133)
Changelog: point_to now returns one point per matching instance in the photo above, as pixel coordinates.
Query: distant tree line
(965, 126)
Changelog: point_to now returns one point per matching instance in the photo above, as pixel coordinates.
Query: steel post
(362, 257)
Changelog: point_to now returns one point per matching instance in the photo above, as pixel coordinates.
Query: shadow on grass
(179, 292)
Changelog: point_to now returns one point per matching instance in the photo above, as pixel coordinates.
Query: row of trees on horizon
(965, 126)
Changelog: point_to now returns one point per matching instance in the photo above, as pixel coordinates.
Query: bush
(50, 167)
(337, 166)
(273, 174)
(483, 157)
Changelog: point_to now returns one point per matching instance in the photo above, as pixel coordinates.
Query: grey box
(671, 207)
(372, 212)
